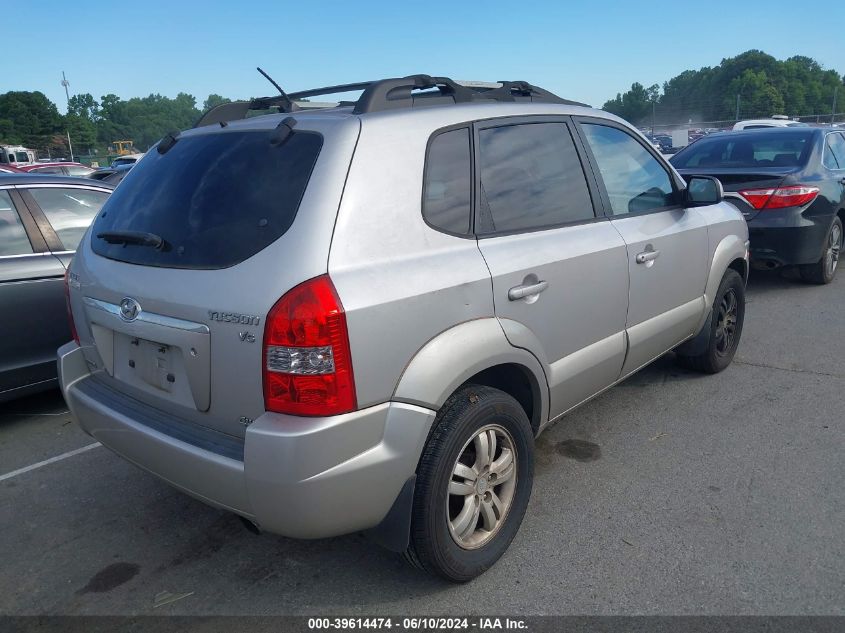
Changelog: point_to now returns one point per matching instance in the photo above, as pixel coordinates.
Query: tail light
(781, 197)
(69, 310)
(307, 361)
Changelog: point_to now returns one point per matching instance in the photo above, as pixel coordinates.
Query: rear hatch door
(191, 252)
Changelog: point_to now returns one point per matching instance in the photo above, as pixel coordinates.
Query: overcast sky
(587, 51)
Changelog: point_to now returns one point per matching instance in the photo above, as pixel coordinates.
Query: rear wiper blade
(132, 237)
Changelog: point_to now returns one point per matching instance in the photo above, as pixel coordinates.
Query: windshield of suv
(213, 200)
(764, 148)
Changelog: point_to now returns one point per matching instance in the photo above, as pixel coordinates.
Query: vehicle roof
(50, 179)
(763, 130)
(54, 164)
(772, 123)
(446, 114)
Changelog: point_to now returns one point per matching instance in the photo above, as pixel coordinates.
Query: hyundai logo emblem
(129, 309)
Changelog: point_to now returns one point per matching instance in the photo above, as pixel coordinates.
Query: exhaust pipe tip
(250, 525)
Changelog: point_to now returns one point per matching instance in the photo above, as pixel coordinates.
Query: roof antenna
(289, 106)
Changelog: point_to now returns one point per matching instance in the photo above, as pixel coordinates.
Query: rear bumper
(298, 477)
(785, 237)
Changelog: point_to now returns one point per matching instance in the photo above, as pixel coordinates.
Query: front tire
(725, 327)
(473, 484)
(823, 271)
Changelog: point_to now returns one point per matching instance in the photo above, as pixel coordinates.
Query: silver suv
(360, 318)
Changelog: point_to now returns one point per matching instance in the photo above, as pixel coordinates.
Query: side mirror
(703, 190)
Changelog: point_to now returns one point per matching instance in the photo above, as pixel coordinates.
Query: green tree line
(758, 83)
(32, 120)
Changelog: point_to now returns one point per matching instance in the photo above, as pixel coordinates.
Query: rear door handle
(647, 256)
(520, 292)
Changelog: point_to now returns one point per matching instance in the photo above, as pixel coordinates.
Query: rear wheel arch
(518, 382)
(475, 352)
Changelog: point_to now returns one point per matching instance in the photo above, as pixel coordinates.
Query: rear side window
(834, 151)
(447, 191)
(214, 199)
(531, 177)
(13, 239)
(69, 211)
(635, 181)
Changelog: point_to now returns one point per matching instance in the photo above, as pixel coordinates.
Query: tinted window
(47, 170)
(70, 211)
(834, 152)
(215, 199)
(774, 147)
(13, 239)
(634, 179)
(448, 182)
(531, 177)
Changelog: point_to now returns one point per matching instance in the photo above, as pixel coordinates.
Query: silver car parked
(361, 317)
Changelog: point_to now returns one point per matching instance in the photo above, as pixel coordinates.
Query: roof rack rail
(390, 94)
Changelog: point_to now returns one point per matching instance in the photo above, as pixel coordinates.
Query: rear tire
(725, 327)
(824, 270)
(473, 484)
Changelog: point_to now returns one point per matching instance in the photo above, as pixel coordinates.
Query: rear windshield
(214, 199)
(770, 148)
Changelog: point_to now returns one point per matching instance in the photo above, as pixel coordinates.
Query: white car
(126, 159)
(775, 121)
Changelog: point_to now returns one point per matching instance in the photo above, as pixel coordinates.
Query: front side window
(634, 179)
(447, 200)
(13, 239)
(69, 211)
(531, 177)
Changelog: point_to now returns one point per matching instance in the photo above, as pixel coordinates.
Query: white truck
(16, 155)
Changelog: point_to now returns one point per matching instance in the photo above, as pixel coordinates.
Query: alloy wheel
(726, 322)
(482, 486)
(834, 243)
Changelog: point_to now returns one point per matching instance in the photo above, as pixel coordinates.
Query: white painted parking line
(57, 458)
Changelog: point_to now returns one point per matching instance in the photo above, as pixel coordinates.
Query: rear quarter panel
(401, 282)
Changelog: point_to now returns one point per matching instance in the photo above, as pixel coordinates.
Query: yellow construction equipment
(122, 148)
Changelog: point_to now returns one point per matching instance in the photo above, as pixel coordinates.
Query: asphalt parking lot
(669, 494)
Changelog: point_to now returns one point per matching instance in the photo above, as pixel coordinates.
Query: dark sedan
(789, 184)
(42, 220)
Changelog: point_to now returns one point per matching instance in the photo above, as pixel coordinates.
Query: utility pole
(70, 146)
(833, 109)
(652, 117)
(66, 83)
(737, 106)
